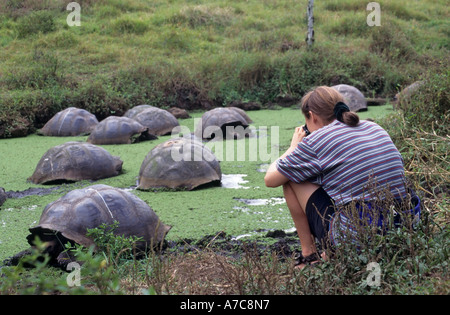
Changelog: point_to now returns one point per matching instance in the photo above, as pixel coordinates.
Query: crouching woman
(331, 163)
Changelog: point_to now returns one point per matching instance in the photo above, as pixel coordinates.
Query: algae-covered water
(241, 207)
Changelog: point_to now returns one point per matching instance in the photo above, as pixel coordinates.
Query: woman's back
(348, 162)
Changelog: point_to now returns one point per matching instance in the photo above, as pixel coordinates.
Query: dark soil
(31, 192)
(3, 196)
(282, 243)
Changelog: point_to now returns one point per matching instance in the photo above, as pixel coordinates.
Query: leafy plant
(36, 22)
(113, 247)
(16, 280)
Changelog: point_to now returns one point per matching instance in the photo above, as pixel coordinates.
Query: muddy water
(31, 192)
(260, 202)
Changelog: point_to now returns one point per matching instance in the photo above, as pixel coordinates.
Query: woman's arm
(273, 177)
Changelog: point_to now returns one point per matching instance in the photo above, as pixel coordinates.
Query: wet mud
(31, 192)
(284, 244)
(3, 196)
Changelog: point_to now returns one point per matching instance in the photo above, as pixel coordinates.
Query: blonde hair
(322, 101)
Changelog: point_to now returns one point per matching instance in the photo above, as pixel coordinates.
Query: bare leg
(297, 196)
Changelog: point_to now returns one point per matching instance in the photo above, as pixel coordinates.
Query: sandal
(309, 260)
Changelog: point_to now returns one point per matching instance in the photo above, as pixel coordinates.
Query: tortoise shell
(3, 196)
(74, 161)
(179, 163)
(242, 112)
(352, 96)
(70, 217)
(214, 123)
(70, 122)
(159, 121)
(132, 112)
(405, 95)
(117, 130)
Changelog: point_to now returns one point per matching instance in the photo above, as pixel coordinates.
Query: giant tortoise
(352, 96)
(159, 121)
(68, 219)
(179, 163)
(3, 196)
(75, 161)
(119, 130)
(132, 112)
(69, 122)
(223, 123)
(404, 96)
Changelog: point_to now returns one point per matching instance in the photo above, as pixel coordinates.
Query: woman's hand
(298, 136)
(273, 177)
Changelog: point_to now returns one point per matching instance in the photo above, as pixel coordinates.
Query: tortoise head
(118, 164)
(52, 243)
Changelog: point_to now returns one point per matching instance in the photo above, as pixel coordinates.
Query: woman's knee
(302, 191)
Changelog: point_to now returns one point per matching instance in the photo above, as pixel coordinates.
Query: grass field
(204, 53)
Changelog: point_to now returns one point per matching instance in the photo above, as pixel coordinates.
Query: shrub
(32, 275)
(427, 108)
(62, 39)
(353, 25)
(39, 72)
(345, 5)
(128, 25)
(389, 41)
(114, 247)
(202, 15)
(36, 22)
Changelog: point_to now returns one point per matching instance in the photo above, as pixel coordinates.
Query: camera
(305, 128)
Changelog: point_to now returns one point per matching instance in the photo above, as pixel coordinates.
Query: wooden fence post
(310, 37)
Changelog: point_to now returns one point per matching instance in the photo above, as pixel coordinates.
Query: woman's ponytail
(343, 114)
(350, 118)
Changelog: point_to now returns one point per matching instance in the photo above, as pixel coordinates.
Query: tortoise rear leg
(14, 260)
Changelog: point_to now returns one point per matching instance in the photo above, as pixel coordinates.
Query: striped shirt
(348, 162)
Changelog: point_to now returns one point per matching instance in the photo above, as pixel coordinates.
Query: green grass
(208, 52)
